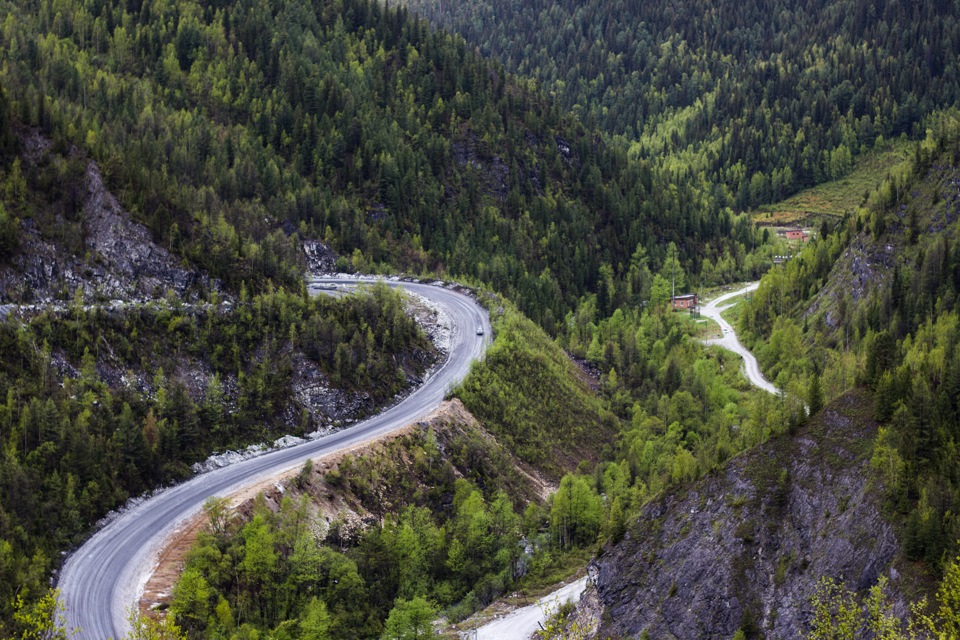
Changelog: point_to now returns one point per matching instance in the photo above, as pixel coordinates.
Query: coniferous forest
(232, 127)
(575, 163)
(760, 98)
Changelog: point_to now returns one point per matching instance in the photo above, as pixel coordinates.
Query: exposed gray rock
(868, 262)
(133, 262)
(753, 540)
(323, 402)
(320, 257)
(118, 260)
(493, 171)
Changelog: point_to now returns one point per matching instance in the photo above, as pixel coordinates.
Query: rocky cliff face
(116, 258)
(746, 546)
(77, 237)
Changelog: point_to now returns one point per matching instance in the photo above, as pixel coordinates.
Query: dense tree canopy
(897, 333)
(73, 446)
(233, 129)
(756, 99)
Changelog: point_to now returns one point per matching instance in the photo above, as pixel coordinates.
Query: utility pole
(673, 277)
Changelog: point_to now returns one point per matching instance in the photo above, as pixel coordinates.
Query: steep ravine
(745, 546)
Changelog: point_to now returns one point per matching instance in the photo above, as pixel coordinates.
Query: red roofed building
(686, 301)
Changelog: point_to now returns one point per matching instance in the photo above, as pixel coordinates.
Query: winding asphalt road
(102, 579)
(729, 341)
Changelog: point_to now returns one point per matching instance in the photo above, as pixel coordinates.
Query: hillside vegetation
(665, 410)
(145, 369)
(818, 532)
(831, 200)
(162, 164)
(752, 101)
(742, 550)
(534, 398)
(426, 519)
(234, 131)
(455, 525)
(874, 304)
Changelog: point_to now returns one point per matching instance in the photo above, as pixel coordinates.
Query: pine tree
(814, 395)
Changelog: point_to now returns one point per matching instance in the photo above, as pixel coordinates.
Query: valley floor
(729, 341)
(523, 622)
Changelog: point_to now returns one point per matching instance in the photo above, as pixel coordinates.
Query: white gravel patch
(439, 327)
(287, 441)
(220, 460)
(322, 431)
(129, 505)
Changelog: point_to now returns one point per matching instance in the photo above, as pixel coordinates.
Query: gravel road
(729, 341)
(522, 623)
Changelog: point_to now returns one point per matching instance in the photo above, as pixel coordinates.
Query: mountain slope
(745, 547)
(877, 304)
(429, 513)
(121, 367)
(74, 236)
(235, 131)
(866, 316)
(756, 99)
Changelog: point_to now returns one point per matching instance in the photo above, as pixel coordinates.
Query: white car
(479, 331)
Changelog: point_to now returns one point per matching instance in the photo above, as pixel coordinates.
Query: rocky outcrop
(134, 264)
(325, 403)
(119, 269)
(320, 257)
(117, 260)
(491, 169)
(867, 264)
(746, 546)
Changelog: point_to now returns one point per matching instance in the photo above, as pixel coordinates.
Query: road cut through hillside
(103, 579)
